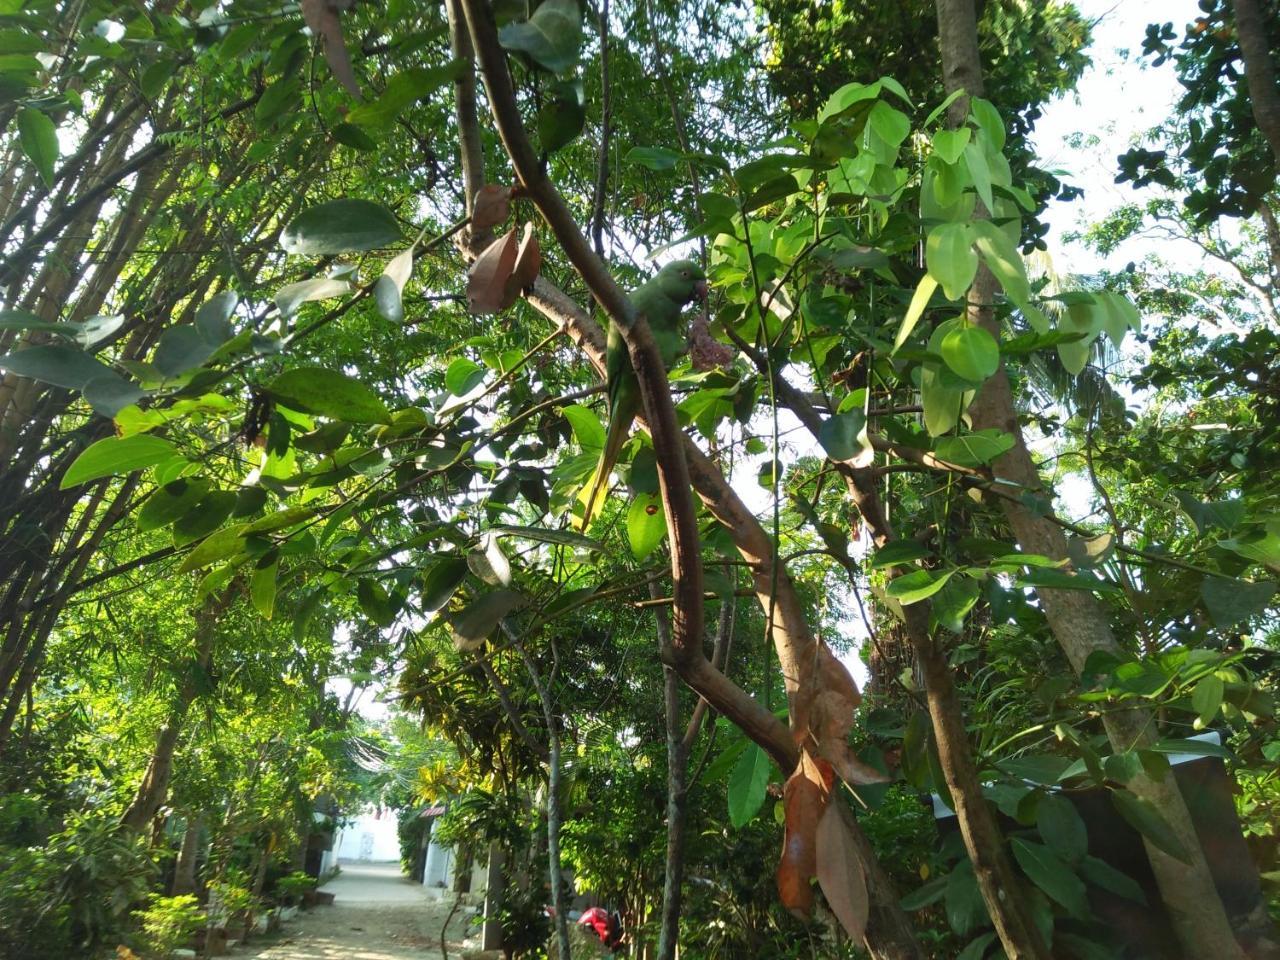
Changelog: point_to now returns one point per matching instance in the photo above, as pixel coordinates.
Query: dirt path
(377, 915)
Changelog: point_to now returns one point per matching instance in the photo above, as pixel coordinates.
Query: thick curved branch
(673, 476)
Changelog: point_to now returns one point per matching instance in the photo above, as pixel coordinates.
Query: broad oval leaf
(551, 37)
(55, 364)
(971, 352)
(1062, 828)
(1146, 819)
(441, 581)
(473, 625)
(170, 502)
(293, 295)
(180, 349)
(951, 259)
(340, 226)
(1048, 872)
(117, 455)
(646, 524)
(898, 552)
(974, 449)
(329, 394)
(748, 784)
(917, 585)
(38, 137)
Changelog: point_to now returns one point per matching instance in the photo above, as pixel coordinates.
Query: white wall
(371, 836)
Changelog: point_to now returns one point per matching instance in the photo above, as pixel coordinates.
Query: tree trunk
(184, 871)
(495, 882)
(1077, 621)
(1259, 71)
(677, 811)
(155, 782)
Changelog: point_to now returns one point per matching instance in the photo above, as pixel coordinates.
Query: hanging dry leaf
(840, 873)
(322, 17)
(488, 276)
(528, 263)
(491, 206)
(804, 798)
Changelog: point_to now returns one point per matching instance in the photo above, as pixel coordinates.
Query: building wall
(371, 836)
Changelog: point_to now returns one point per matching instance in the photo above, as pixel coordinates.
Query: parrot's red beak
(700, 289)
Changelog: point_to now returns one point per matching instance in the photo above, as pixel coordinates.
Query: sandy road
(377, 915)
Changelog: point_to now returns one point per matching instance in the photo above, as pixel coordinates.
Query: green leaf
(899, 552)
(293, 295)
(329, 394)
(279, 98)
(213, 319)
(340, 226)
(919, 300)
(473, 625)
(748, 785)
(1193, 748)
(1223, 514)
(401, 92)
(561, 116)
(977, 948)
(1048, 872)
(943, 404)
(892, 125)
(657, 158)
(1062, 828)
(262, 585)
(170, 502)
(842, 435)
(218, 546)
(551, 37)
(441, 581)
(963, 901)
(1060, 580)
(1102, 874)
(587, 429)
(375, 603)
(38, 137)
(1230, 601)
(180, 349)
(927, 895)
(975, 161)
(971, 352)
(117, 455)
(1147, 820)
(646, 524)
(951, 259)
(953, 602)
(349, 135)
(1037, 768)
(111, 393)
(388, 291)
(988, 118)
(950, 144)
(566, 538)
(974, 449)
(1003, 259)
(206, 517)
(463, 376)
(917, 585)
(58, 365)
(1206, 699)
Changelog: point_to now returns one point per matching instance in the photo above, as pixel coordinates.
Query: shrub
(291, 888)
(170, 922)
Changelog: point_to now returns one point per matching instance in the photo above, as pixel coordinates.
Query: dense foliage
(302, 349)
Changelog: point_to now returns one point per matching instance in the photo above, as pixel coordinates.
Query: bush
(75, 893)
(230, 900)
(291, 888)
(170, 922)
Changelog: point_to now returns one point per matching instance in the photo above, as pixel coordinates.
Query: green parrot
(660, 300)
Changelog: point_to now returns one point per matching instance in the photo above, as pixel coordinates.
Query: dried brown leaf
(528, 263)
(491, 206)
(322, 17)
(840, 873)
(488, 276)
(804, 798)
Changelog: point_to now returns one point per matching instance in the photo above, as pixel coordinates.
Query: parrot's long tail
(592, 495)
